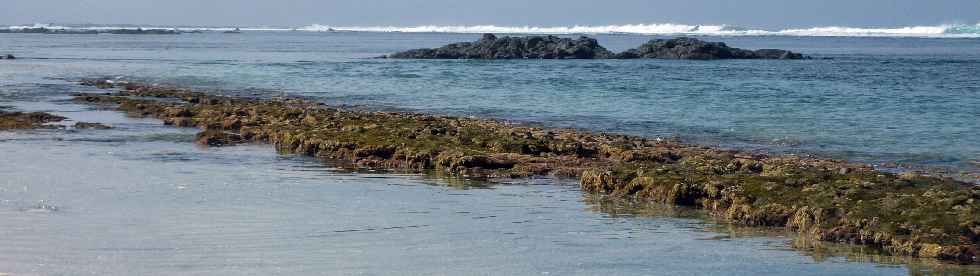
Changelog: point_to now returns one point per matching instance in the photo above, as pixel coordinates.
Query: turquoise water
(141, 199)
(911, 101)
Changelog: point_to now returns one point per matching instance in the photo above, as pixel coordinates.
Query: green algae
(27, 120)
(829, 200)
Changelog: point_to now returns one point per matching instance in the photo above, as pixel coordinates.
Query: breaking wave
(611, 29)
(968, 31)
(676, 29)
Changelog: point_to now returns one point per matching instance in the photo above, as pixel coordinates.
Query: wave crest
(675, 29)
(967, 31)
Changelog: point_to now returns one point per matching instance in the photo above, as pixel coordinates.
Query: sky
(768, 14)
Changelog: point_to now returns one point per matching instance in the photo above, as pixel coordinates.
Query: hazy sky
(749, 13)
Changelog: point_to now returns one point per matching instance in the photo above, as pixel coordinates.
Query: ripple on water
(41, 207)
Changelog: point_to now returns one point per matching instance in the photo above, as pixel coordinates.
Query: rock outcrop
(829, 200)
(218, 138)
(8, 56)
(86, 125)
(532, 47)
(27, 120)
(691, 48)
(552, 47)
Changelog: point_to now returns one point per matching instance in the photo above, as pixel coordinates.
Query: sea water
(911, 101)
(142, 199)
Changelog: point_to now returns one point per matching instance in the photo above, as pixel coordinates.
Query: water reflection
(818, 251)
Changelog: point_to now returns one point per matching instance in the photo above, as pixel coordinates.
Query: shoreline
(830, 200)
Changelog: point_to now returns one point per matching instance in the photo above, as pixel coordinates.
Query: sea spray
(946, 30)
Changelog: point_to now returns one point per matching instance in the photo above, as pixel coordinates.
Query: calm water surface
(141, 199)
(912, 101)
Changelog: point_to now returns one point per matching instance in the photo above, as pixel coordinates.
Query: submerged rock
(531, 47)
(84, 125)
(141, 31)
(692, 48)
(100, 83)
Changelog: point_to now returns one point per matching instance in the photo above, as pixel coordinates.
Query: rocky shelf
(27, 120)
(830, 200)
(552, 47)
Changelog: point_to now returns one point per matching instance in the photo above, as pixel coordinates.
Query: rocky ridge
(533, 47)
(552, 47)
(829, 200)
(27, 120)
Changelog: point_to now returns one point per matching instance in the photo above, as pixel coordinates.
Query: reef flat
(831, 200)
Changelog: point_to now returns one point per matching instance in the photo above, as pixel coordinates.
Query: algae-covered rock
(831, 200)
(218, 138)
(27, 120)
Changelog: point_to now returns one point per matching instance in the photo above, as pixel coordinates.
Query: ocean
(141, 199)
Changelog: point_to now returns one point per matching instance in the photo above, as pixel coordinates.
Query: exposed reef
(532, 47)
(830, 200)
(27, 120)
(691, 48)
(552, 47)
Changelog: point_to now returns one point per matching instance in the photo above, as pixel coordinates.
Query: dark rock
(532, 47)
(9, 56)
(143, 31)
(99, 83)
(691, 48)
(30, 120)
(218, 138)
(84, 125)
(777, 54)
(552, 47)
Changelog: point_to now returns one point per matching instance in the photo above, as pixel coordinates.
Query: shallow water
(911, 101)
(141, 199)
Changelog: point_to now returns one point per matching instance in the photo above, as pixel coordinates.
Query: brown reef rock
(830, 200)
(27, 120)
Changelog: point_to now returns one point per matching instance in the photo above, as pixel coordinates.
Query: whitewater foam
(675, 29)
(954, 31)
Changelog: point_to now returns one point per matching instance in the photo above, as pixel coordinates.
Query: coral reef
(830, 200)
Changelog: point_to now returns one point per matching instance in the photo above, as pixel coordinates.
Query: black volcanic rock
(552, 47)
(531, 47)
(691, 48)
(144, 31)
